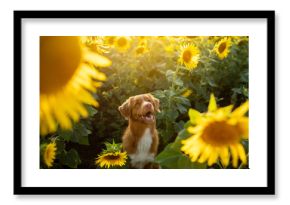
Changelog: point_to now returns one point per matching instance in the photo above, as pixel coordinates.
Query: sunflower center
(140, 50)
(59, 59)
(222, 47)
(111, 40)
(122, 42)
(187, 55)
(112, 157)
(220, 133)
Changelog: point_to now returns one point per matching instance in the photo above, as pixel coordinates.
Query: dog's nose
(148, 105)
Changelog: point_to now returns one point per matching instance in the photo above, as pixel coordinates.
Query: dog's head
(140, 108)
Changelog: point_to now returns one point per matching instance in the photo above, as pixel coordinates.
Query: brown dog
(140, 139)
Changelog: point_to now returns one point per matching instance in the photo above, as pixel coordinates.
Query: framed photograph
(144, 102)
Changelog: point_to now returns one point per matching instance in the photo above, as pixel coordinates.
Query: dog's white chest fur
(143, 154)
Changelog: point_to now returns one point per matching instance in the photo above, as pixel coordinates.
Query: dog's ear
(156, 105)
(125, 109)
(155, 102)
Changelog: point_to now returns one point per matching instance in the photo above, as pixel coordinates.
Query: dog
(140, 139)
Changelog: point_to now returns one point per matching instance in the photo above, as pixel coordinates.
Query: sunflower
(96, 43)
(239, 40)
(189, 56)
(67, 75)
(140, 50)
(142, 40)
(222, 47)
(122, 43)
(110, 40)
(216, 134)
(112, 159)
(49, 152)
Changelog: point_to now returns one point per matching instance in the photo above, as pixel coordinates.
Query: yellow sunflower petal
(194, 130)
(242, 110)
(243, 125)
(96, 59)
(193, 147)
(72, 112)
(88, 98)
(212, 106)
(194, 116)
(86, 82)
(60, 115)
(242, 154)
(47, 114)
(226, 110)
(205, 154)
(235, 156)
(188, 143)
(43, 129)
(213, 157)
(224, 156)
(49, 154)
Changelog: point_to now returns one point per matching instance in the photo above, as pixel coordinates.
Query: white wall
(282, 99)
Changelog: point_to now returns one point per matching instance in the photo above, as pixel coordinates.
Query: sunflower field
(200, 81)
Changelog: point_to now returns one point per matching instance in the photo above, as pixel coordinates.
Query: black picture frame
(268, 190)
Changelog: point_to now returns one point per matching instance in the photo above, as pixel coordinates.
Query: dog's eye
(137, 102)
(147, 99)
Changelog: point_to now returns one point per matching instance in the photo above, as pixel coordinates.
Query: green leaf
(168, 157)
(181, 108)
(60, 147)
(65, 135)
(182, 100)
(172, 158)
(212, 83)
(245, 92)
(178, 82)
(80, 134)
(91, 110)
(62, 156)
(72, 158)
(172, 114)
(237, 90)
(84, 140)
(179, 126)
(159, 94)
(169, 75)
(183, 134)
(113, 147)
(185, 163)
